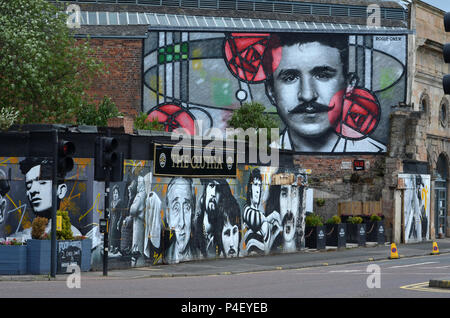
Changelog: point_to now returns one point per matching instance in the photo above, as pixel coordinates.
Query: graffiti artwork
(417, 207)
(156, 219)
(333, 93)
(177, 219)
(26, 192)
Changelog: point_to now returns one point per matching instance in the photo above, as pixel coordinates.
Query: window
(443, 113)
(424, 106)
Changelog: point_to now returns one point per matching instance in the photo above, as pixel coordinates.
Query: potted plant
(356, 230)
(335, 232)
(13, 257)
(314, 232)
(147, 127)
(375, 229)
(39, 248)
(68, 247)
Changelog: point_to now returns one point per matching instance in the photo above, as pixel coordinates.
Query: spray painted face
(305, 81)
(289, 204)
(39, 192)
(212, 196)
(116, 194)
(230, 239)
(256, 192)
(180, 200)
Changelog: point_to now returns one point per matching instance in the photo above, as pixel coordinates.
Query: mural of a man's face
(256, 192)
(180, 206)
(212, 196)
(39, 192)
(289, 204)
(230, 239)
(308, 76)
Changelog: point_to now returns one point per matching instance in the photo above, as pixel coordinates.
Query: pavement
(301, 259)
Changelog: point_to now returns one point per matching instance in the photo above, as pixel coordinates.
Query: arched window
(443, 113)
(424, 106)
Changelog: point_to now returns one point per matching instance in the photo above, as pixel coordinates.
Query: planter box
(375, 232)
(315, 237)
(356, 233)
(13, 260)
(39, 256)
(86, 252)
(335, 234)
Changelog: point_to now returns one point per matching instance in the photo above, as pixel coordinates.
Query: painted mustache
(310, 108)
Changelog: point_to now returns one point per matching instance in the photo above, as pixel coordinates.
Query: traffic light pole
(54, 204)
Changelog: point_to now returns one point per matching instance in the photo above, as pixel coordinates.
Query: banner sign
(176, 161)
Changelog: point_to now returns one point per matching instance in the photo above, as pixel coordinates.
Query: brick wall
(333, 179)
(123, 58)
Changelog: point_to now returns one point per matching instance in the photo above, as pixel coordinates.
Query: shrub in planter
(38, 228)
(39, 248)
(13, 257)
(375, 229)
(66, 228)
(356, 230)
(335, 232)
(314, 232)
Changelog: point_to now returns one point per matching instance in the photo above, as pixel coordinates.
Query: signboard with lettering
(173, 160)
(358, 165)
(69, 253)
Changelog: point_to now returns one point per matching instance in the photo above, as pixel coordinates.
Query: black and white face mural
(217, 220)
(416, 207)
(26, 193)
(179, 215)
(154, 218)
(181, 219)
(38, 187)
(273, 215)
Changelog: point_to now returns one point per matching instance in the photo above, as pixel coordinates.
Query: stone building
(381, 148)
(125, 34)
(427, 120)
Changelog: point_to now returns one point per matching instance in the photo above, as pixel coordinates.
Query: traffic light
(66, 149)
(107, 159)
(446, 79)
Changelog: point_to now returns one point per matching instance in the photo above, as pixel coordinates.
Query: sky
(441, 4)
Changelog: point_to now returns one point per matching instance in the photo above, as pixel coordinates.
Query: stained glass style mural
(332, 92)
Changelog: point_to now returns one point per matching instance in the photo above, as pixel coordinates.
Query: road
(405, 277)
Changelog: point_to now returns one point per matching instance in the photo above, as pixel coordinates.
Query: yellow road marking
(424, 287)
